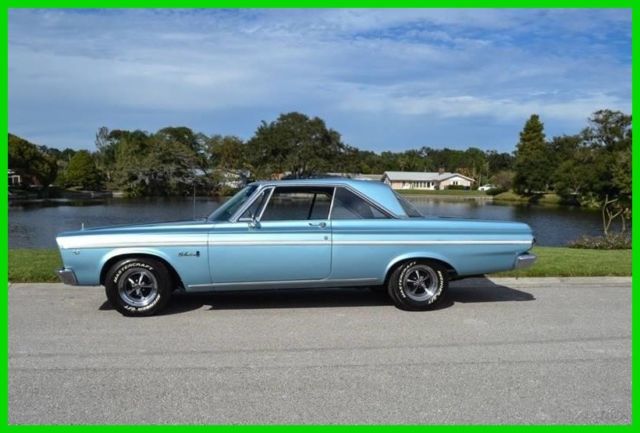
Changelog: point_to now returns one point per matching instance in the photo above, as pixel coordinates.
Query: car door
(283, 236)
(360, 235)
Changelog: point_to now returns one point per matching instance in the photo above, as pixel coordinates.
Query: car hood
(138, 228)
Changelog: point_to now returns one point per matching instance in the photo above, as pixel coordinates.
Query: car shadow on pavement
(482, 289)
(464, 291)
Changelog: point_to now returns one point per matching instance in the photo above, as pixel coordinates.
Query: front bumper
(67, 276)
(525, 260)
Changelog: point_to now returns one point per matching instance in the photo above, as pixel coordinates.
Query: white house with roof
(428, 180)
(14, 178)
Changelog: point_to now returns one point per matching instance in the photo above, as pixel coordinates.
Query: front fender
(133, 251)
(190, 268)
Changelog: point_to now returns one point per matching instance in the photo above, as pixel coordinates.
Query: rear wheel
(138, 286)
(417, 285)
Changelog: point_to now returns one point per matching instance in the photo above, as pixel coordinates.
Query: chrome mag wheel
(138, 287)
(420, 283)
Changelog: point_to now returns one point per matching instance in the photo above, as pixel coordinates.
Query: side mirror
(252, 222)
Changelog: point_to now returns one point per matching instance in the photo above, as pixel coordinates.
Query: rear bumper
(525, 260)
(67, 276)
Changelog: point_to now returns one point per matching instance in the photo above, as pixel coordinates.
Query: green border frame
(4, 300)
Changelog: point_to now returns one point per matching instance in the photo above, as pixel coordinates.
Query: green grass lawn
(573, 262)
(511, 196)
(39, 265)
(33, 265)
(462, 192)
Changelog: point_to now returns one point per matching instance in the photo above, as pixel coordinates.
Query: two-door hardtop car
(294, 234)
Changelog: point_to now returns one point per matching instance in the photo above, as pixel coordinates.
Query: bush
(495, 191)
(618, 241)
(458, 187)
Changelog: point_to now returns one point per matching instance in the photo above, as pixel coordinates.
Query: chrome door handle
(321, 225)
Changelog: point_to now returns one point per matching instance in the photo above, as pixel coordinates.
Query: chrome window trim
(234, 218)
(333, 199)
(266, 203)
(335, 185)
(273, 188)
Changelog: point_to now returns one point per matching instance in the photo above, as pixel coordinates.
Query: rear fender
(415, 255)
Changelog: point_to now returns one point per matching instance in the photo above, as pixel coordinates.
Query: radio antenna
(194, 199)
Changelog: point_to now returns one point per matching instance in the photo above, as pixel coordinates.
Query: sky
(390, 79)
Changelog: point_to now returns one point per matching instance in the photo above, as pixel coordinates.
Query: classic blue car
(294, 234)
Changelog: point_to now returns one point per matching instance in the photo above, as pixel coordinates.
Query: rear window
(409, 208)
(347, 205)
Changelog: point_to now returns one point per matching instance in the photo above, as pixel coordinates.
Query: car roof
(376, 191)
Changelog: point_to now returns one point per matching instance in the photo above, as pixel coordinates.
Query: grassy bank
(459, 192)
(510, 196)
(39, 265)
(33, 265)
(572, 262)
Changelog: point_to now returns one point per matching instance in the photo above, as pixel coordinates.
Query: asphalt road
(499, 351)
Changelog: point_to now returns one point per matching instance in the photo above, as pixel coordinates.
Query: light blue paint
(210, 255)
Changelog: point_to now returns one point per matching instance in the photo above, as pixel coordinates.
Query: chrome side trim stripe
(270, 242)
(287, 282)
(434, 242)
(386, 242)
(71, 243)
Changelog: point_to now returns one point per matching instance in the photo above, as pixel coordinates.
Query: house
(17, 178)
(428, 180)
(14, 178)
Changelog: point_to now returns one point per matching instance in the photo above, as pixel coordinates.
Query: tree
(196, 142)
(503, 179)
(82, 172)
(107, 145)
(610, 130)
(153, 164)
(532, 159)
(296, 144)
(27, 159)
(226, 152)
(577, 175)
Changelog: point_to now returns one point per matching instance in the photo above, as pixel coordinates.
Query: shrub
(458, 187)
(616, 241)
(495, 191)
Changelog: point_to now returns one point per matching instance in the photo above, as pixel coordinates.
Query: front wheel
(417, 285)
(138, 286)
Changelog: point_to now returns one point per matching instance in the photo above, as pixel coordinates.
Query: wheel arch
(112, 259)
(398, 261)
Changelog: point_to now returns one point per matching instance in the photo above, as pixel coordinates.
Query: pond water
(35, 225)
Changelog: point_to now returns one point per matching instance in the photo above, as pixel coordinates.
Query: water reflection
(35, 225)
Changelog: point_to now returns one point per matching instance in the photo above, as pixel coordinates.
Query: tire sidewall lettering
(116, 277)
(401, 278)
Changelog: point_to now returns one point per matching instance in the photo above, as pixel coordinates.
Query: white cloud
(447, 64)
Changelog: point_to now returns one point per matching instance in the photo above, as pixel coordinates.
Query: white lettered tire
(417, 285)
(138, 286)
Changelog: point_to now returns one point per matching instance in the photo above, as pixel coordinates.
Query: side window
(298, 203)
(253, 211)
(347, 206)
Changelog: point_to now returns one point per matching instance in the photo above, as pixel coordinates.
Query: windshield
(409, 208)
(229, 207)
